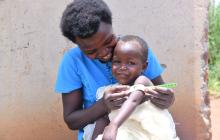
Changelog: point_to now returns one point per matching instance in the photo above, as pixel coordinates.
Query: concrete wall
(31, 47)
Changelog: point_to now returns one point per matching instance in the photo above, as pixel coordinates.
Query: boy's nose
(123, 67)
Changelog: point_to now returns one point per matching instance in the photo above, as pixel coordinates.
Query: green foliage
(214, 48)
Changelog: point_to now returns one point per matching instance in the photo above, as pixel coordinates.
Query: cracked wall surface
(31, 47)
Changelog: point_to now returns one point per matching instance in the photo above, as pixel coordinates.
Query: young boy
(140, 121)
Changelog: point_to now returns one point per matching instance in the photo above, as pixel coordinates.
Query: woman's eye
(89, 52)
(109, 41)
(115, 61)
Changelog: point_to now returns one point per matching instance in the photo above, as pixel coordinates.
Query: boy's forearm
(128, 107)
(100, 126)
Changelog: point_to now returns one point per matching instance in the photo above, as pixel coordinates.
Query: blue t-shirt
(78, 71)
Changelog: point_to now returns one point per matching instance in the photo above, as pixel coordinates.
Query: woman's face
(127, 62)
(100, 45)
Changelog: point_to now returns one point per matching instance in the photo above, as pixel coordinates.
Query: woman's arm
(76, 117)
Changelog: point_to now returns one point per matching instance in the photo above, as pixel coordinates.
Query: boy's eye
(131, 63)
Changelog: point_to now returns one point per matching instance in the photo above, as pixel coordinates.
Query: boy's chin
(123, 82)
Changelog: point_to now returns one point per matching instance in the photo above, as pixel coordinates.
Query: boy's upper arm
(143, 80)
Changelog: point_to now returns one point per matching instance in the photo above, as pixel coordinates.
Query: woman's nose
(103, 52)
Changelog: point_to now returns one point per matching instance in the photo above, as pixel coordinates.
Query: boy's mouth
(122, 75)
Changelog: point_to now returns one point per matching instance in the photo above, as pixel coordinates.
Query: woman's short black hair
(82, 18)
(140, 41)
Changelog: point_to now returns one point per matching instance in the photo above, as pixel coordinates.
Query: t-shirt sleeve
(67, 77)
(154, 69)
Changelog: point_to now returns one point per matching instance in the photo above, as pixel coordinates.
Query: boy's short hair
(82, 18)
(142, 42)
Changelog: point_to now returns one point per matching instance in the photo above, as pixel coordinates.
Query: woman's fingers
(160, 96)
(115, 96)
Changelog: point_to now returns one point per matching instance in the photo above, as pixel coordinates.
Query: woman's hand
(160, 96)
(115, 96)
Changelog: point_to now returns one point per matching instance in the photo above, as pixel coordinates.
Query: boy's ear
(145, 65)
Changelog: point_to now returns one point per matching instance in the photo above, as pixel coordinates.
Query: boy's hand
(115, 96)
(110, 132)
(161, 97)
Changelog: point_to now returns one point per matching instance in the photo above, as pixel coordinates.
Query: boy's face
(100, 45)
(127, 62)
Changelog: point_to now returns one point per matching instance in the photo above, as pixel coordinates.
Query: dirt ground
(215, 118)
